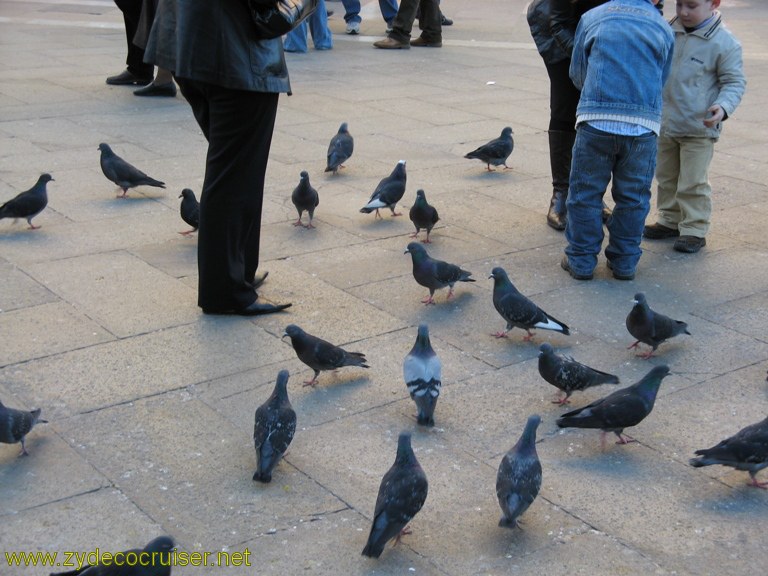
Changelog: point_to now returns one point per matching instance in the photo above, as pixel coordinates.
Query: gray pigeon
(153, 560)
(402, 493)
(319, 354)
(305, 198)
(423, 215)
(650, 327)
(496, 151)
(273, 429)
(746, 450)
(16, 424)
(122, 173)
(340, 149)
(434, 274)
(422, 372)
(519, 478)
(189, 210)
(565, 373)
(519, 311)
(388, 193)
(622, 409)
(28, 204)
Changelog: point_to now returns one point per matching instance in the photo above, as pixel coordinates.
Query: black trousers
(238, 125)
(131, 10)
(429, 23)
(563, 97)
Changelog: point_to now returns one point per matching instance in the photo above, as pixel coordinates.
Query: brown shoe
(421, 42)
(391, 44)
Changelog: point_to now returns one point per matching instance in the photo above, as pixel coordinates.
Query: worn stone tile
(18, 290)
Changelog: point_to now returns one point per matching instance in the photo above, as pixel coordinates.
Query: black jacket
(553, 25)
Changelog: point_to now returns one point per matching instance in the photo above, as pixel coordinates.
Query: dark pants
(563, 97)
(429, 23)
(238, 125)
(131, 10)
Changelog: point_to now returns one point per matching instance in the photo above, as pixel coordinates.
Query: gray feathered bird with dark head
(28, 204)
(189, 211)
(422, 215)
(16, 424)
(565, 373)
(622, 409)
(273, 429)
(319, 354)
(388, 193)
(518, 480)
(153, 560)
(650, 327)
(434, 274)
(122, 173)
(518, 310)
(422, 371)
(402, 493)
(306, 199)
(496, 151)
(340, 149)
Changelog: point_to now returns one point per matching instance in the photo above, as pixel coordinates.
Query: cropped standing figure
(232, 81)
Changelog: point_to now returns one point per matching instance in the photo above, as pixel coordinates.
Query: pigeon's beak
(180, 195)
(491, 276)
(406, 251)
(284, 335)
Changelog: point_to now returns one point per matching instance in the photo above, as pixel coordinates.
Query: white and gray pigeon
(402, 493)
(320, 354)
(518, 310)
(16, 424)
(423, 215)
(273, 429)
(152, 560)
(651, 328)
(422, 371)
(435, 274)
(189, 211)
(306, 199)
(388, 193)
(28, 204)
(340, 149)
(567, 374)
(496, 151)
(518, 480)
(746, 450)
(122, 173)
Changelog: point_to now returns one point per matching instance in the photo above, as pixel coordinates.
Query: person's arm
(730, 77)
(562, 23)
(578, 69)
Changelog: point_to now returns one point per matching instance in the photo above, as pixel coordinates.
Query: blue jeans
(352, 10)
(296, 39)
(597, 157)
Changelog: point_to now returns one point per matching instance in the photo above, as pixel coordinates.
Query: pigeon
(28, 204)
(565, 373)
(423, 215)
(189, 210)
(650, 327)
(496, 151)
(319, 354)
(16, 424)
(153, 560)
(622, 409)
(123, 174)
(434, 274)
(305, 198)
(422, 372)
(402, 493)
(388, 193)
(519, 311)
(518, 480)
(340, 149)
(746, 450)
(273, 429)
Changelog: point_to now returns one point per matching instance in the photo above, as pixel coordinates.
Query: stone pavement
(151, 403)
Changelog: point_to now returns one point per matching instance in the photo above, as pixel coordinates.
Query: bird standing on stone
(422, 371)
(434, 274)
(746, 450)
(273, 429)
(402, 493)
(650, 327)
(189, 210)
(28, 204)
(16, 424)
(305, 198)
(388, 193)
(340, 149)
(319, 354)
(622, 409)
(153, 560)
(565, 373)
(422, 215)
(122, 173)
(518, 310)
(518, 480)
(496, 151)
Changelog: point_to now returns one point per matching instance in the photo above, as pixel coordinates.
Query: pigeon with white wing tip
(340, 149)
(153, 560)
(306, 199)
(273, 429)
(122, 173)
(423, 215)
(435, 274)
(518, 480)
(496, 151)
(29, 203)
(16, 424)
(565, 373)
(422, 371)
(189, 211)
(388, 193)
(518, 310)
(650, 327)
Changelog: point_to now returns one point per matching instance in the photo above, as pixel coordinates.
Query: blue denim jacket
(621, 59)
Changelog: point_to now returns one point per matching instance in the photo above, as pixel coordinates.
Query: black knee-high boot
(560, 146)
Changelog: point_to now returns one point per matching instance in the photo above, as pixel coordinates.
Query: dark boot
(560, 146)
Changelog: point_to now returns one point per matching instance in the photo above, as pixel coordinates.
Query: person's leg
(403, 23)
(388, 10)
(667, 175)
(318, 26)
(694, 193)
(296, 39)
(134, 61)
(429, 24)
(351, 11)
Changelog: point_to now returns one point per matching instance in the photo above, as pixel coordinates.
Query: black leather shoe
(445, 21)
(128, 78)
(152, 89)
(421, 42)
(258, 280)
(659, 232)
(254, 309)
(565, 265)
(689, 244)
(618, 275)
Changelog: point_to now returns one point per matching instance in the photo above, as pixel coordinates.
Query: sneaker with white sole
(353, 28)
